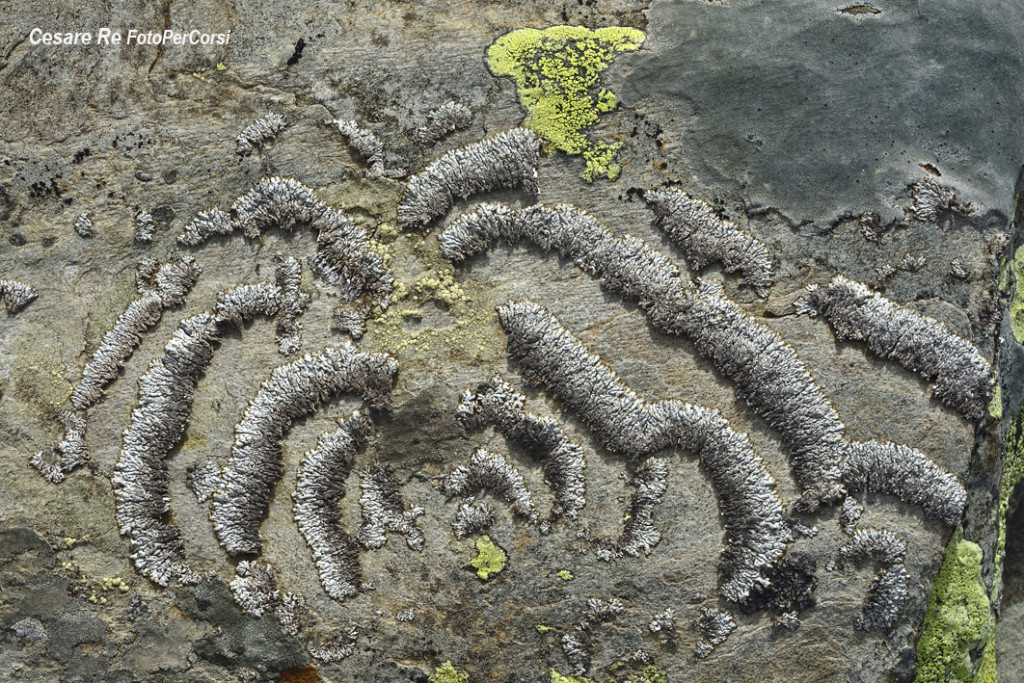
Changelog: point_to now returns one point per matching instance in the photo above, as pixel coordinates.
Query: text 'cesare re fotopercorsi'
(108, 36)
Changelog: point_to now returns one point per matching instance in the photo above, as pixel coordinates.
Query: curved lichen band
(293, 391)
(756, 528)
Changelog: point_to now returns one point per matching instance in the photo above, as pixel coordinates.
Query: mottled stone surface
(791, 117)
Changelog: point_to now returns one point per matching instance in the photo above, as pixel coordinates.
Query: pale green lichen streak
(958, 620)
(1017, 301)
(557, 72)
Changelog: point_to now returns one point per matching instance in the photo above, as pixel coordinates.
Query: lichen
(559, 678)
(446, 673)
(542, 629)
(490, 558)
(565, 575)
(958, 619)
(650, 674)
(557, 72)
(995, 406)
(1017, 301)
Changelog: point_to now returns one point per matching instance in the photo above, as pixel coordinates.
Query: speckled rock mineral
(630, 341)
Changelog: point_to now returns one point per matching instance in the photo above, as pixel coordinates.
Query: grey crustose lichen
(343, 257)
(166, 391)
(756, 526)
(318, 494)
(506, 160)
(367, 145)
(446, 119)
(889, 589)
(293, 391)
(715, 625)
(487, 471)
(962, 378)
(931, 200)
(766, 370)
(384, 510)
(577, 644)
(83, 225)
(144, 226)
(16, 295)
(259, 133)
(498, 403)
(693, 226)
(66, 455)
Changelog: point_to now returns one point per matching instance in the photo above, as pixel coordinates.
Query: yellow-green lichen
(995, 406)
(565, 575)
(542, 629)
(557, 72)
(446, 673)
(1017, 300)
(490, 558)
(559, 678)
(650, 674)
(959, 618)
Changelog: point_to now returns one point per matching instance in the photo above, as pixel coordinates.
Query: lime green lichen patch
(490, 558)
(995, 406)
(959, 618)
(559, 678)
(446, 673)
(1016, 265)
(542, 629)
(558, 73)
(650, 674)
(565, 575)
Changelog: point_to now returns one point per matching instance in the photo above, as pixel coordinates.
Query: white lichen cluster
(202, 479)
(506, 160)
(293, 391)
(756, 527)
(160, 288)
(384, 510)
(664, 624)
(498, 403)
(766, 370)
(491, 472)
(443, 121)
(144, 226)
(259, 133)
(83, 225)
(850, 514)
(931, 200)
(704, 237)
(715, 625)
(473, 518)
(335, 647)
(889, 589)
(254, 588)
(16, 295)
(68, 454)
(318, 495)
(577, 644)
(366, 145)
(962, 378)
(343, 258)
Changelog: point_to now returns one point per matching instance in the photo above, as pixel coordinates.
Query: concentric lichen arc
(557, 72)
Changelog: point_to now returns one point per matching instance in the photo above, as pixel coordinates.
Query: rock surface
(804, 125)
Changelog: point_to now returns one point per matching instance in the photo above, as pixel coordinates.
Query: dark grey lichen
(577, 644)
(294, 302)
(639, 535)
(68, 454)
(384, 510)
(366, 145)
(506, 160)
(166, 391)
(255, 588)
(888, 592)
(498, 403)
(343, 258)
(766, 370)
(318, 494)
(473, 518)
(756, 527)
(293, 391)
(849, 514)
(202, 479)
(16, 295)
(487, 471)
(907, 474)
(160, 289)
(703, 236)
(931, 200)
(144, 226)
(715, 625)
(962, 377)
(446, 119)
(259, 133)
(664, 624)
